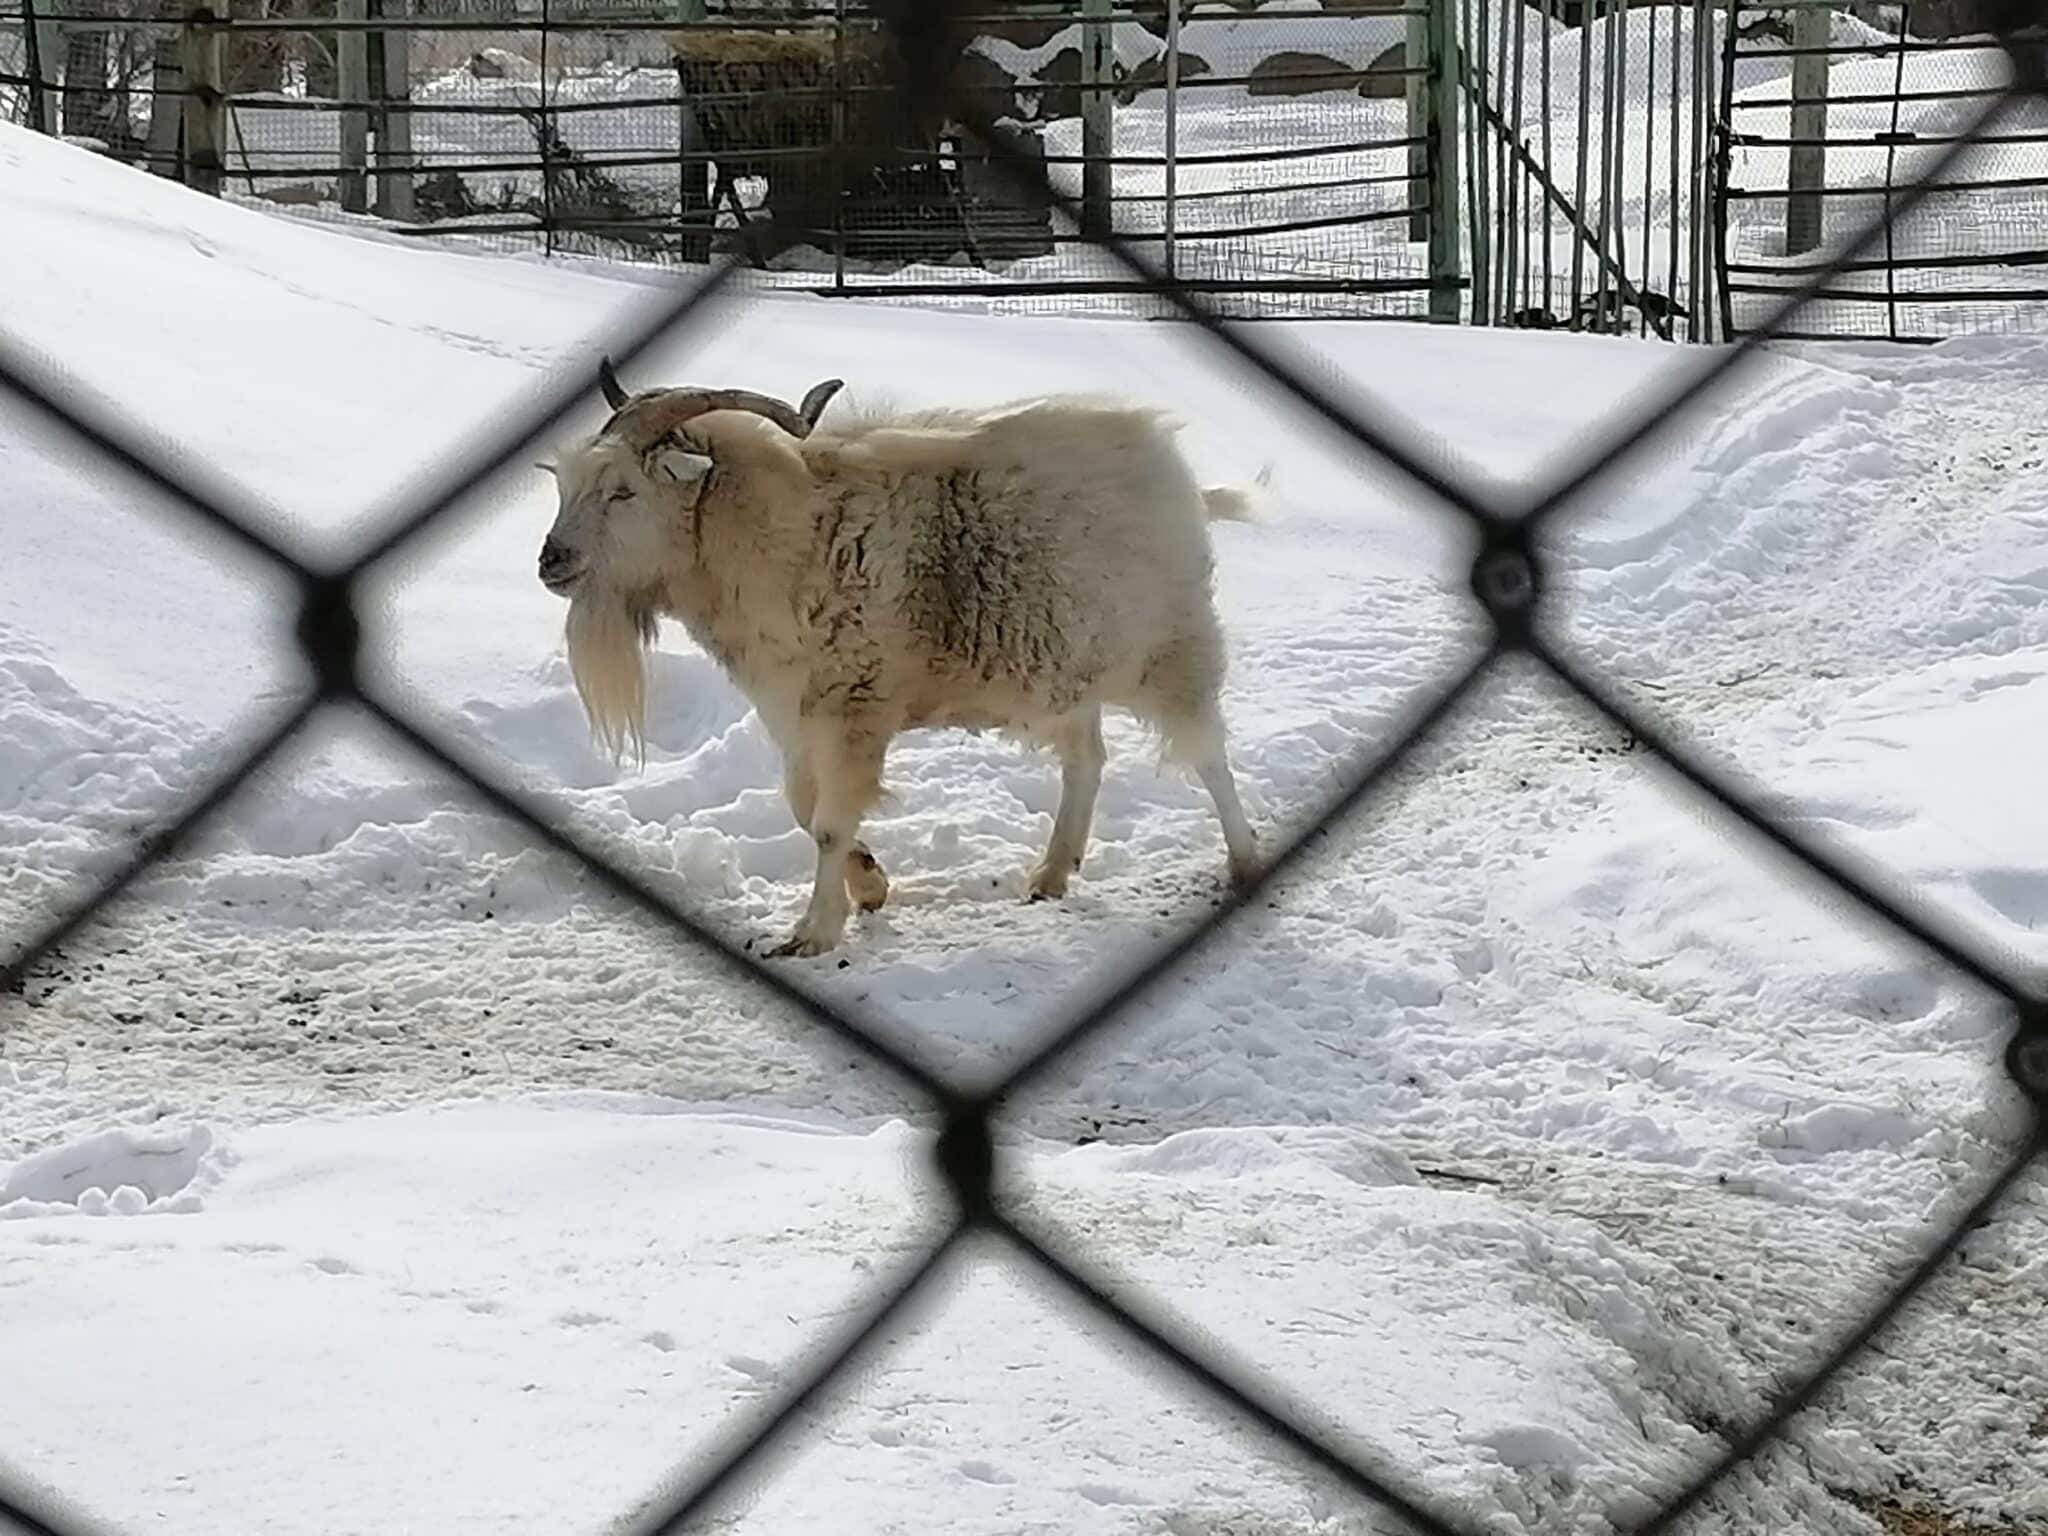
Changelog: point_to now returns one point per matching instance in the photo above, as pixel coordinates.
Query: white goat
(1015, 569)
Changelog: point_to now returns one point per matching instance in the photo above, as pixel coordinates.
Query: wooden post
(205, 106)
(1807, 163)
(352, 84)
(1445, 255)
(394, 123)
(1097, 73)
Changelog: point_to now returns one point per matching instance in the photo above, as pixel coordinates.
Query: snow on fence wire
(1508, 582)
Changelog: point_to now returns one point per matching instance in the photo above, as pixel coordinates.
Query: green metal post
(1445, 244)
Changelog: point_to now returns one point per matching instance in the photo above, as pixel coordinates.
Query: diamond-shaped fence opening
(1508, 583)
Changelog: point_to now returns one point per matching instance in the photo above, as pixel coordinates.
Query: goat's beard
(608, 634)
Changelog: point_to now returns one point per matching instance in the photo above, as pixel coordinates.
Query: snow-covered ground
(368, 1169)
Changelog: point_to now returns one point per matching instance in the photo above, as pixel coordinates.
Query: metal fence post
(1477, 79)
(1445, 268)
(1172, 131)
(352, 84)
(1806, 161)
(394, 122)
(166, 102)
(546, 131)
(1097, 74)
(1415, 87)
(42, 93)
(205, 104)
(839, 122)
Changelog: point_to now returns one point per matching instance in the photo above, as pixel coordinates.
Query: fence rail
(1508, 584)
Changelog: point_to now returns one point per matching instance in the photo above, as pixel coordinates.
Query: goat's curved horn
(614, 393)
(816, 401)
(654, 417)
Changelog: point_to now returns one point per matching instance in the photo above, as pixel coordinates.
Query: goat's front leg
(844, 759)
(865, 881)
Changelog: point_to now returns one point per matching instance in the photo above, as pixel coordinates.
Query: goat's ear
(669, 461)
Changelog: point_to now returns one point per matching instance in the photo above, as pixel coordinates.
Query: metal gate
(1591, 135)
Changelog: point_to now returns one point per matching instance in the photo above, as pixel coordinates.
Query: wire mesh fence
(1592, 146)
(1659, 168)
(1815, 156)
(1508, 584)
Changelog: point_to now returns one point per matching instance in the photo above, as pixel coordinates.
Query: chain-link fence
(1509, 583)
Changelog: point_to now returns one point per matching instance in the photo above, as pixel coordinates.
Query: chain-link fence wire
(1508, 582)
(1873, 110)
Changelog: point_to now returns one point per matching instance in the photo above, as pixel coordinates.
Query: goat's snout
(557, 565)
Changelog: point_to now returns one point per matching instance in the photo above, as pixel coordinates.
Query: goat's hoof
(1244, 874)
(804, 946)
(865, 882)
(1047, 884)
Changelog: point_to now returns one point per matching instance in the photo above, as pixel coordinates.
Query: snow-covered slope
(1692, 1111)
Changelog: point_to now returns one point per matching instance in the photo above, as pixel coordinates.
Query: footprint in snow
(759, 1371)
(1107, 1494)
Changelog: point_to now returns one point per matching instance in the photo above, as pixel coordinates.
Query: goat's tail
(1234, 503)
(1228, 504)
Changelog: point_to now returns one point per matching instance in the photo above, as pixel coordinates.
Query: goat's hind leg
(1214, 771)
(1182, 682)
(1201, 744)
(1081, 759)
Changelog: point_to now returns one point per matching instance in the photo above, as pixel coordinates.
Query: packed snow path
(1527, 1132)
